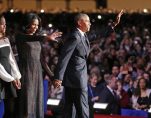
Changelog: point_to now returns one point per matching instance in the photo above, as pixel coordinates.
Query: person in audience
(115, 70)
(141, 97)
(101, 84)
(123, 96)
(109, 96)
(93, 93)
(146, 76)
(9, 75)
(126, 81)
(133, 86)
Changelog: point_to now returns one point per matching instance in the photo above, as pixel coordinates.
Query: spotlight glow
(49, 25)
(99, 17)
(42, 10)
(12, 10)
(145, 10)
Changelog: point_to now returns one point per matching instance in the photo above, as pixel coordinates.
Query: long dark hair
(2, 16)
(137, 91)
(146, 83)
(27, 20)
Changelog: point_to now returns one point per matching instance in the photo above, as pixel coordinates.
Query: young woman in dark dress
(9, 75)
(31, 103)
(142, 96)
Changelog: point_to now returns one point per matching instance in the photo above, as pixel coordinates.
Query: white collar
(111, 90)
(81, 32)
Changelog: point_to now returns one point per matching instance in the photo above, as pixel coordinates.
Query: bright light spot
(100, 105)
(145, 10)
(54, 102)
(12, 10)
(50, 25)
(149, 110)
(44, 34)
(42, 10)
(99, 17)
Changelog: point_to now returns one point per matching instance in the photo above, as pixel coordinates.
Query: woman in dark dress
(30, 58)
(9, 74)
(141, 98)
(144, 94)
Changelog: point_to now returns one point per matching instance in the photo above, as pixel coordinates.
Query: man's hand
(57, 83)
(118, 18)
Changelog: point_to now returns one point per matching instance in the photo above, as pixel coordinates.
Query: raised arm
(117, 20)
(21, 37)
(111, 25)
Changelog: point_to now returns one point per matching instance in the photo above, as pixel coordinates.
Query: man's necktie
(86, 40)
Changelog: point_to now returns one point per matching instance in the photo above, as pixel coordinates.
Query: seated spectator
(115, 70)
(141, 97)
(126, 43)
(108, 95)
(93, 92)
(123, 95)
(133, 86)
(101, 84)
(95, 69)
(146, 76)
(125, 69)
(126, 82)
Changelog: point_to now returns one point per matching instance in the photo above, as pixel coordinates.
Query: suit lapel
(87, 41)
(88, 45)
(113, 95)
(84, 43)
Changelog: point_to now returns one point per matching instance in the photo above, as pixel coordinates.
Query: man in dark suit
(71, 69)
(108, 95)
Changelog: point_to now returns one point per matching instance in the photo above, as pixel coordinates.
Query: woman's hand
(54, 35)
(17, 83)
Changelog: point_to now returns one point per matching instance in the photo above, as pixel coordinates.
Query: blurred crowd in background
(125, 53)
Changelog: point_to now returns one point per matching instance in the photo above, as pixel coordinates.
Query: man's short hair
(79, 16)
(108, 79)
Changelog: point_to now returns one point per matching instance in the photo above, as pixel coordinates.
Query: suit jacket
(72, 67)
(107, 96)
